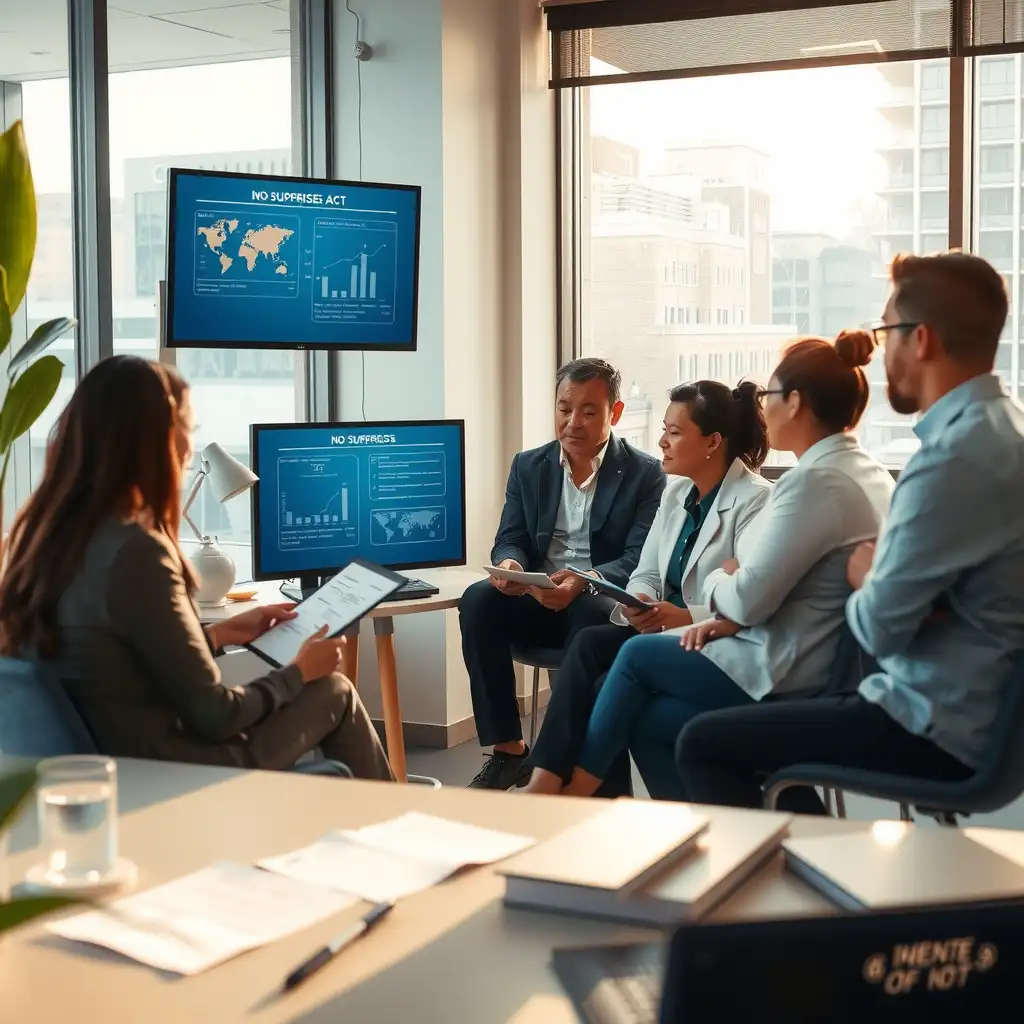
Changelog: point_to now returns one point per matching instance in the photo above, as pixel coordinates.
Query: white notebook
(895, 865)
(563, 874)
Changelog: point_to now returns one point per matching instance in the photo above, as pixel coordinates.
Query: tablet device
(338, 604)
(527, 579)
(611, 590)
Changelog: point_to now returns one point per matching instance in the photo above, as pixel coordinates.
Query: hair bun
(855, 348)
(744, 389)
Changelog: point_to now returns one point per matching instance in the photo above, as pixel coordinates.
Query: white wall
(455, 99)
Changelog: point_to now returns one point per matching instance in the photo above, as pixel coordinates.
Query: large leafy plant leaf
(27, 398)
(42, 338)
(15, 789)
(6, 320)
(17, 213)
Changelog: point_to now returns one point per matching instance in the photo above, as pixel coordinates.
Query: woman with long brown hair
(95, 586)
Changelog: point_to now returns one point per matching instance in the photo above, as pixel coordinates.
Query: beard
(905, 405)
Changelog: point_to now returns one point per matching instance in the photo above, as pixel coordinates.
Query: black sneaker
(503, 771)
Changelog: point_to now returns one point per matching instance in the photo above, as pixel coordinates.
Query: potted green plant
(32, 377)
(15, 789)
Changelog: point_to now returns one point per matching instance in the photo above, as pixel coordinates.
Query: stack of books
(644, 862)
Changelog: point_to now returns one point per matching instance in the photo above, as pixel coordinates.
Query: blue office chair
(998, 781)
(38, 719)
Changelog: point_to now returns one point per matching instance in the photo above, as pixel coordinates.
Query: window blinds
(631, 40)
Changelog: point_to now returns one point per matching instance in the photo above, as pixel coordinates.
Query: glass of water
(76, 799)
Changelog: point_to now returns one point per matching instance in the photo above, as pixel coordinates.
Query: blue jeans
(653, 689)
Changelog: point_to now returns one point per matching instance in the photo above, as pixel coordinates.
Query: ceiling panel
(162, 7)
(149, 42)
(263, 25)
(143, 34)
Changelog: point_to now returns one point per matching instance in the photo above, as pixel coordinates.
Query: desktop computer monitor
(256, 261)
(392, 493)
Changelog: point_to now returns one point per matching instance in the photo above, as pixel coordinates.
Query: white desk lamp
(228, 478)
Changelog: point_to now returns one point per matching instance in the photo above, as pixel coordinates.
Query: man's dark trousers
(491, 624)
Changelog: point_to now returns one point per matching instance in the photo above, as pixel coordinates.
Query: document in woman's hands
(338, 604)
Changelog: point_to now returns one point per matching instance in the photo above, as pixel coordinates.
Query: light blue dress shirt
(943, 609)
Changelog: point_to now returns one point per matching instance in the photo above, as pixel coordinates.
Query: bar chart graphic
(355, 265)
(317, 493)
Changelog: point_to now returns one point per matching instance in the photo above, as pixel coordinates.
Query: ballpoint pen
(327, 953)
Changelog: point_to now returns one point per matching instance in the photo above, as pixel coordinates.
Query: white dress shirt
(570, 543)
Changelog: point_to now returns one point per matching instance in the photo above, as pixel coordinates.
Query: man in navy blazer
(586, 500)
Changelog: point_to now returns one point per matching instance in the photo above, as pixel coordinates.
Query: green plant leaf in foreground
(6, 320)
(15, 789)
(19, 911)
(42, 338)
(27, 398)
(17, 213)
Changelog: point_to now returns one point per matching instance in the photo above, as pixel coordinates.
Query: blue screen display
(393, 494)
(291, 263)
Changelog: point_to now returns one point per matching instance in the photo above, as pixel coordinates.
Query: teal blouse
(697, 510)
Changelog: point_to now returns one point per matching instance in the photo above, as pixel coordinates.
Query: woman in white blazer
(714, 440)
(779, 603)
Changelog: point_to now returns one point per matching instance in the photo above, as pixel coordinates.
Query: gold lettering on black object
(943, 964)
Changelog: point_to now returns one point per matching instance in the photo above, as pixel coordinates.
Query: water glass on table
(76, 799)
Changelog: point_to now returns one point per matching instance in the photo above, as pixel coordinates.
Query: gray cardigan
(138, 665)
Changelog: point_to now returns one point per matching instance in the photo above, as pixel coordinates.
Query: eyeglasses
(881, 331)
(763, 393)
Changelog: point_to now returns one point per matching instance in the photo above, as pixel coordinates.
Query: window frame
(962, 140)
(317, 377)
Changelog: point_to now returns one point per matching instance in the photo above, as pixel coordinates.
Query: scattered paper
(378, 875)
(439, 840)
(202, 919)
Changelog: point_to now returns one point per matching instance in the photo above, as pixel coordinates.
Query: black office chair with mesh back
(998, 781)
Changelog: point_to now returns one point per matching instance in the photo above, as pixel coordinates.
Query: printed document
(380, 876)
(396, 858)
(440, 840)
(202, 919)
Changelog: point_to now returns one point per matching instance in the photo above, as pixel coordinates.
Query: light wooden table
(452, 584)
(450, 954)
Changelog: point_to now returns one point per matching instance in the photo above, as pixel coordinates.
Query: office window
(996, 122)
(996, 165)
(46, 114)
(934, 125)
(934, 166)
(997, 248)
(996, 208)
(934, 209)
(996, 75)
(198, 102)
(935, 81)
(934, 243)
(794, 213)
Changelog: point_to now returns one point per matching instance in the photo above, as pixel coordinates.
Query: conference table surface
(450, 954)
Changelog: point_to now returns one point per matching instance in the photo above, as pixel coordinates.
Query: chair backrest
(37, 718)
(1000, 776)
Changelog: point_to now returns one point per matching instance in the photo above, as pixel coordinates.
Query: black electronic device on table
(943, 965)
(391, 493)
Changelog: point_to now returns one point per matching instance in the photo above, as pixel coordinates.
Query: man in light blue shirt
(940, 603)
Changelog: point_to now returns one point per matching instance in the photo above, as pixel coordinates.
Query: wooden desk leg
(387, 667)
(350, 655)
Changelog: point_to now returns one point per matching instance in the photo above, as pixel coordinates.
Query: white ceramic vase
(216, 574)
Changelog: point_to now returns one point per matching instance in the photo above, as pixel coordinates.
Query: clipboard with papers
(339, 603)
